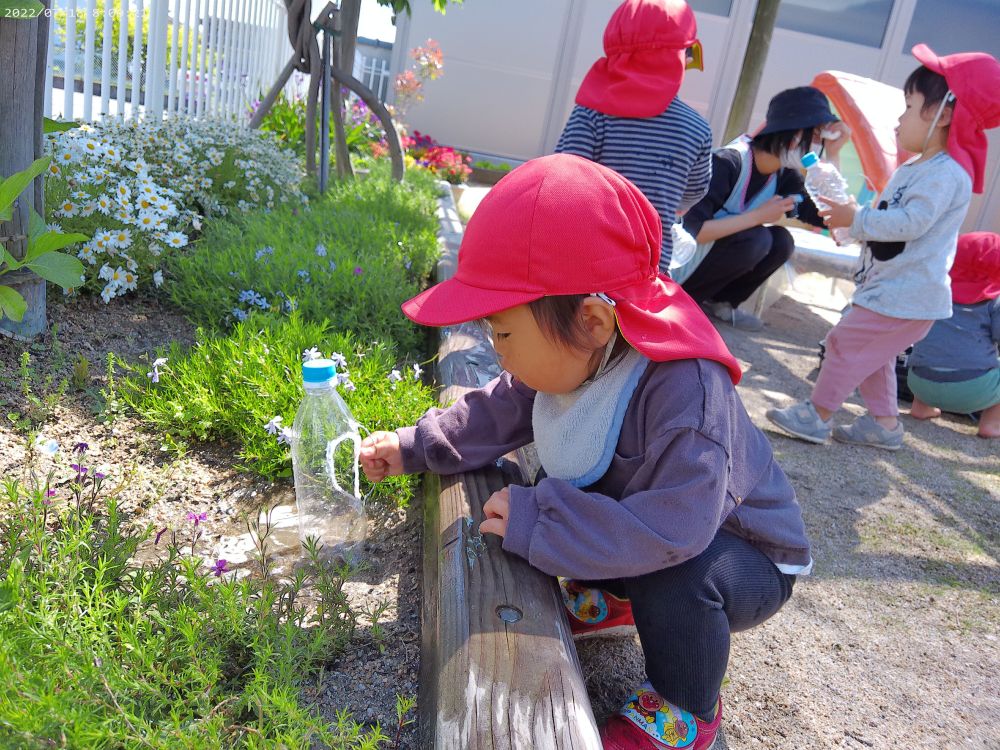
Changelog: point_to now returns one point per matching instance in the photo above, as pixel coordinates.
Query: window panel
(857, 21)
(966, 26)
(715, 7)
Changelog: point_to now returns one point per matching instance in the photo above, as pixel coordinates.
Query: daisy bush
(141, 188)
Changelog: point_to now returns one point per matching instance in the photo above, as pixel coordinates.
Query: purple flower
(197, 517)
(220, 567)
(160, 533)
(154, 374)
(285, 436)
(81, 471)
(98, 476)
(80, 447)
(50, 493)
(358, 270)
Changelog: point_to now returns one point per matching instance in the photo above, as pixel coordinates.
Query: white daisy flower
(104, 204)
(176, 239)
(122, 238)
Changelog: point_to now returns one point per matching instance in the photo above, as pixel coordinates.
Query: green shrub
(139, 188)
(352, 258)
(100, 651)
(228, 387)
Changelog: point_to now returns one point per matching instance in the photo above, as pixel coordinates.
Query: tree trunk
(21, 96)
(753, 67)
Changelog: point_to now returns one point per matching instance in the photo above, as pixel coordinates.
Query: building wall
(512, 68)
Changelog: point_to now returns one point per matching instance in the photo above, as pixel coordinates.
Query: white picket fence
(207, 58)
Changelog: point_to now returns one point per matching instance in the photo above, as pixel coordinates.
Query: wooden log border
(498, 666)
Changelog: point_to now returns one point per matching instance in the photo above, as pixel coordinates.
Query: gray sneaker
(866, 431)
(734, 316)
(801, 421)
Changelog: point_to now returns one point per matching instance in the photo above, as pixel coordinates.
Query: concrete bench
(818, 253)
(498, 664)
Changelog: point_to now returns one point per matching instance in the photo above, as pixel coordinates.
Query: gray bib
(576, 433)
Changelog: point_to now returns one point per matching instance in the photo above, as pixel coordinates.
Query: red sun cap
(975, 276)
(645, 48)
(562, 225)
(974, 79)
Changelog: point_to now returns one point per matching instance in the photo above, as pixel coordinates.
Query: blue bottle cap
(809, 159)
(318, 371)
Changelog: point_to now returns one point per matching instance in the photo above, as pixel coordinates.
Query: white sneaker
(734, 316)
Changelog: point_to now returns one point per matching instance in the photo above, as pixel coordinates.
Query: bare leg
(989, 422)
(920, 410)
(824, 414)
(890, 423)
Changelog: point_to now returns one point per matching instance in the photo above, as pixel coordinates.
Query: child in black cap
(756, 181)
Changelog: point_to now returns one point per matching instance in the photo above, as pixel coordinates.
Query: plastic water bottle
(823, 179)
(326, 444)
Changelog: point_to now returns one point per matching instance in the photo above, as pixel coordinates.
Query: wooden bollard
(498, 666)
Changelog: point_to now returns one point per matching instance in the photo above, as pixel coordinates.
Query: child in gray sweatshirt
(910, 238)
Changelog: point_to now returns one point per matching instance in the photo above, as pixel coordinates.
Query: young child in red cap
(627, 114)
(659, 491)
(910, 239)
(956, 367)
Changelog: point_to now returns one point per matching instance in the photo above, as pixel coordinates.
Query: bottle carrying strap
(331, 451)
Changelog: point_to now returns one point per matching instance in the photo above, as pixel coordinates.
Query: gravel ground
(892, 643)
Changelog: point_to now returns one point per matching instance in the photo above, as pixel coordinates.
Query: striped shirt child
(668, 157)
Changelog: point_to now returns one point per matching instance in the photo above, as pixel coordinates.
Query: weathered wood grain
(498, 666)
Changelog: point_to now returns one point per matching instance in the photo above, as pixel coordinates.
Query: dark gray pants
(738, 264)
(685, 614)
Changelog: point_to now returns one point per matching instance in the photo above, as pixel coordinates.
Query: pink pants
(861, 353)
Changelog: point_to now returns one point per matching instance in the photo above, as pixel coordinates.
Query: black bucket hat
(798, 108)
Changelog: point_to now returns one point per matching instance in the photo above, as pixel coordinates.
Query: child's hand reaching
(380, 456)
(497, 509)
(838, 214)
(774, 209)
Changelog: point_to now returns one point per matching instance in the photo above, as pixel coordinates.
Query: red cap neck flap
(645, 45)
(975, 275)
(974, 79)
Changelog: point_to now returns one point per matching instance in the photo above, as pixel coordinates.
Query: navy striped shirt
(668, 157)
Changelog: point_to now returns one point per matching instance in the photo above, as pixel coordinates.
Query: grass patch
(351, 258)
(100, 652)
(229, 386)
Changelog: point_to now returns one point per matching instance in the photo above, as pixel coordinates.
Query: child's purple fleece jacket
(688, 462)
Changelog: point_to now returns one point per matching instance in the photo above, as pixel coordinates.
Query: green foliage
(99, 650)
(41, 256)
(494, 166)
(286, 119)
(228, 387)
(403, 6)
(351, 258)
